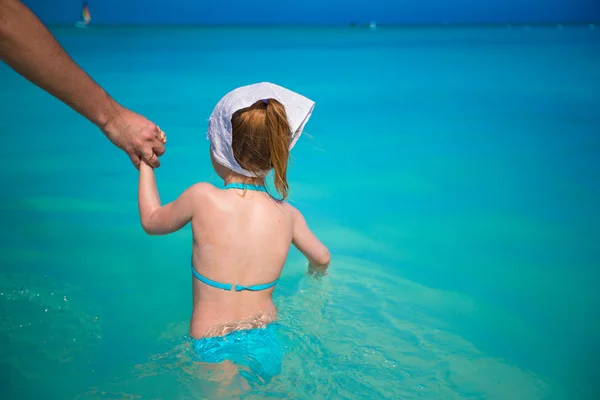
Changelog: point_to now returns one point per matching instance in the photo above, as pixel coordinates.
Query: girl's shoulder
(203, 190)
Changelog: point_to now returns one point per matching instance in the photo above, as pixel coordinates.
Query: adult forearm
(30, 49)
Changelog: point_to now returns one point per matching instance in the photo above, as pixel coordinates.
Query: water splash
(50, 322)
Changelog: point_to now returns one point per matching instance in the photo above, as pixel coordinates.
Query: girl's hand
(316, 271)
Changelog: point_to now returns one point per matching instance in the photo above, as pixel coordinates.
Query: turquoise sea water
(453, 173)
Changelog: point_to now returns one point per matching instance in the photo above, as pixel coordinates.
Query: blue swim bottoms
(257, 351)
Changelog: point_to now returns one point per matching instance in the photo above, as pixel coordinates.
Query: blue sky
(317, 11)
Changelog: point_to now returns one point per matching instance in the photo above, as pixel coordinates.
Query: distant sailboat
(86, 17)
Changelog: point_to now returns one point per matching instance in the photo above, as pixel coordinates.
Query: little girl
(241, 232)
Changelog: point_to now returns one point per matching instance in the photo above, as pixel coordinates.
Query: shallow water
(452, 172)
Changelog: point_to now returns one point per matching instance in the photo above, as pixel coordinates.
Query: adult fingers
(152, 160)
(135, 159)
(158, 147)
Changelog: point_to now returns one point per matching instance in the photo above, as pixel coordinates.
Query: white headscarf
(297, 107)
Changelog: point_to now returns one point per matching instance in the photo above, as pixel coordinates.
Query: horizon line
(336, 25)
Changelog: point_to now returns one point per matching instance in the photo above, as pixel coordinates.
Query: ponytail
(279, 133)
(261, 138)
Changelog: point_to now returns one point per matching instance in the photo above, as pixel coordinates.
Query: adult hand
(140, 138)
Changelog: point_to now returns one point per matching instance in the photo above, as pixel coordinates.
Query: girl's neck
(244, 180)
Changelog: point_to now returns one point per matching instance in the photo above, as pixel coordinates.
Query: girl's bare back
(239, 238)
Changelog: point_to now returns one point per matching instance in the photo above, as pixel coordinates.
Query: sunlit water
(453, 173)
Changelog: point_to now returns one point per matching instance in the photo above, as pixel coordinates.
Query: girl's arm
(157, 219)
(317, 254)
